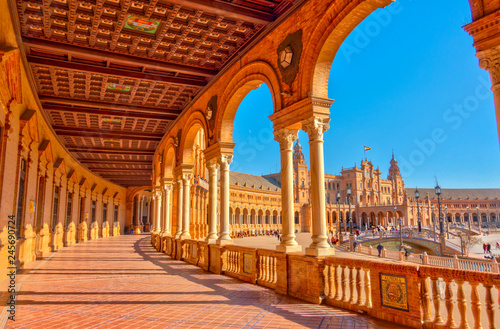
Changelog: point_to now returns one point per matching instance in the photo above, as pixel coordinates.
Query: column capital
(316, 126)
(286, 137)
(187, 178)
(224, 161)
(212, 166)
(490, 60)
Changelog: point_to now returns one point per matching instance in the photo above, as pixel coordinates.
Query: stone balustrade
(414, 295)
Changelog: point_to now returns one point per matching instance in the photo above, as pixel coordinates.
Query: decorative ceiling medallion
(118, 87)
(136, 23)
(289, 52)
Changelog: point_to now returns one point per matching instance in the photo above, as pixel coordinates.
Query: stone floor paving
(122, 282)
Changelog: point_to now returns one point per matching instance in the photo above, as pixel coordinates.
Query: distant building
(256, 205)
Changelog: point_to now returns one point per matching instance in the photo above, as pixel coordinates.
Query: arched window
(297, 218)
(20, 197)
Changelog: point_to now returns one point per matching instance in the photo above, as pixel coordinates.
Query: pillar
(315, 127)
(179, 207)
(167, 187)
(186, 178)
(212, 201)
(137, 225)
(158, 204)
(285, 138)
(224, 162)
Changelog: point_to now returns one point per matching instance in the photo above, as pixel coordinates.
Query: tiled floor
(122, 282)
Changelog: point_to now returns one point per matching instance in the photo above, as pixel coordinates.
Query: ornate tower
(301, 176)
(398, 186)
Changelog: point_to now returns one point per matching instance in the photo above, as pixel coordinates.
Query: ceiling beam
(116, 57)
(112, 162)
(98, 133)
(100, 105)
(225, 9)
(115, 113)
(119, 171)
(114, 72)
(111, 151)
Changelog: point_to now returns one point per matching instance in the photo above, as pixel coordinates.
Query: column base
(224, 242)
(185, 236)
(211, 240)
(137, 230)
(317, 252)
(287, 249)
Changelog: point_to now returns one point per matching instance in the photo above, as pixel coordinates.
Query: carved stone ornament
(212, 166)
(224, 161)
(187, 179)
(211, 113)
(289, 53)
(286, 137)
(315, 127)
(490, 60)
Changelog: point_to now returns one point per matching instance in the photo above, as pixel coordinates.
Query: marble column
(224, 162)
(212, 201)
(179, 207)
(315, 128)
(167, 187)
(187, 204)
(159, 219)
(286, 138)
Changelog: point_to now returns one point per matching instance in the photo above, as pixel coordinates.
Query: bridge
(427, 241)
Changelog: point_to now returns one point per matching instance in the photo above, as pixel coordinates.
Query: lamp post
(441, 224)
(338, 219)
(349, 191)
(396, 216)
(447, 222)
(400, 235)
(417, 196)
(433, 223)
(478, 219)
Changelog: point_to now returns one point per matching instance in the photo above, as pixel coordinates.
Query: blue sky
(407, 80)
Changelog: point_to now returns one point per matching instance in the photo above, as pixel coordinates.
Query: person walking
(379, 248)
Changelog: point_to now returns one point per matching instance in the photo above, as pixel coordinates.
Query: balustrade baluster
(326, 273)
(344, 284)
(490, 310)
(259, 267)
(449, 304)
(267, 268)
(358, 286)
(337, 282)
(275, 270)
(368, 289)
(476, 305)
(438, 319)
(352, 283)
(426, 301)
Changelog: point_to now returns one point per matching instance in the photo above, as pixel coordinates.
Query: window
(55, 208)
(68, 209)
(104, 212)
(115, 219)
(20, 196)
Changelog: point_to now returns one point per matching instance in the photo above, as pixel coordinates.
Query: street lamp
(417, 196)
(433, 223)
(396, 216)
(447, 222)
(338, 219)
(349, 191)
(478, 219)
(400, 235)
(441, 224)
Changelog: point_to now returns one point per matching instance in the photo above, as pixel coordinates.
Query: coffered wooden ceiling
(112, 74)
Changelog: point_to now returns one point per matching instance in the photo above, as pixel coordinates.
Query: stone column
(224, 162)
(315, 127)
(167, 187)
(179, 207)
(142, 210)
(187, 204)
(137, 224)
(212, 201)
(159, 220)
(285, 138)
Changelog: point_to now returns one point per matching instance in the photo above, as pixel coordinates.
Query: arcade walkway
(122, 282)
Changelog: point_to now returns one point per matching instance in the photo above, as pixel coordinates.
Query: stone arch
(249, 77)
(196, 122)
(169, 158)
